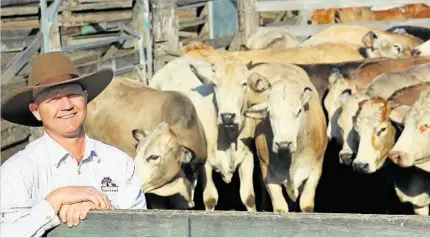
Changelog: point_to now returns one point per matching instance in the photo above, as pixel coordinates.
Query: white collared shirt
(31, 174)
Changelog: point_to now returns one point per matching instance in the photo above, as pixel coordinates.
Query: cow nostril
(415, 52)
(346, 156)
(361, 167)
(394, 156)
(228, 118)
(284, 145)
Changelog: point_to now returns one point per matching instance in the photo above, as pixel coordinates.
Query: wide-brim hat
(46, 68)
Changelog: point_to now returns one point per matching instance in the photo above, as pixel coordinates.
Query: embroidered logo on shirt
(108, 185)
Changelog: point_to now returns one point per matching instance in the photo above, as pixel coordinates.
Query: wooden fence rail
(233, 223)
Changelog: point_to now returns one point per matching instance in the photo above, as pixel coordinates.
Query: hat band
(56, 79)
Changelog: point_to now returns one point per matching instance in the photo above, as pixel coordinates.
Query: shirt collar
(58, 154)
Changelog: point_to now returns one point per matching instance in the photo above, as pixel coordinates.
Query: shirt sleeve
(20, 216)
(132, 196)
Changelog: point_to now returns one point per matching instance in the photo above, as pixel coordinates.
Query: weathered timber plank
(7, 153)
(133, 223)
(99, 6)
(165, 29)
(16, 44)
(230, 223)
(21, 59)
(19, 24)
(82, 19)
(12, 133)
(19, 2)
(32, 9)
(15, 82)
(270, 5)
(309, 30)
(198, 21)
(248, 18)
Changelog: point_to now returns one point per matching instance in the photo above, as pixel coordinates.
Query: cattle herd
(341, 118)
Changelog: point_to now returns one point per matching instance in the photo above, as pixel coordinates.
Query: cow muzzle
(228, 119)
(361, 167)
(346, 158)
(284, 147)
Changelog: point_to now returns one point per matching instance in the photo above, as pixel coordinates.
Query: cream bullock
(291, 136)
(161, 130)
(228, 78)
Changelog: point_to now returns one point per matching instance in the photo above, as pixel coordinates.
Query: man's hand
(78, 194)
(72, 214)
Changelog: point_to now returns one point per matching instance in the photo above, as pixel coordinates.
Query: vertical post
(148, 39)
(248, 18)
(54, 26)
(44, 26)
(138, 25)
(165, 30)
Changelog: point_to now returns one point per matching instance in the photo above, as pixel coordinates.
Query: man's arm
(20, 216)
(132, 197)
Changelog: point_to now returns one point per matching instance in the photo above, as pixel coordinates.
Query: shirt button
(48, 217)
(79, 172)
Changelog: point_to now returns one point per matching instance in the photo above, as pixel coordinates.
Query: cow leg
(423, 211)
(247, 194)
(278, 201)
(210, 194)
(307, 199)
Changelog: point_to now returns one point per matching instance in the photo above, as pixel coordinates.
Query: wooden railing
(244, 224)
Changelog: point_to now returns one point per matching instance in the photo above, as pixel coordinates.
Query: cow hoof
(250, 203)
(280, 210)
(210, 204)
(307, 209)
(191, 204)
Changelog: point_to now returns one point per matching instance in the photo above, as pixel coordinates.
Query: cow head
(229, 78)
(413, 145)
(377, 134)
(349, 135)
(286, 104)
(384, 46)
(340, 88)
(159, 156)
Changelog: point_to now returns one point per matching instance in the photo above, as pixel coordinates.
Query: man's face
(62, 109)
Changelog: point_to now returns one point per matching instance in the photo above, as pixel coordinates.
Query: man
(63, 174)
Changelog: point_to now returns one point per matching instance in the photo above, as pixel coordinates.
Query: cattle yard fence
(174, 223)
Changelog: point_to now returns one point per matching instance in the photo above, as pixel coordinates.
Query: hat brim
(14, 105)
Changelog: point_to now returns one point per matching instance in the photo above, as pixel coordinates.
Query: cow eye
(243, 84)
(397, 48)
(153, 157)
(381, 130)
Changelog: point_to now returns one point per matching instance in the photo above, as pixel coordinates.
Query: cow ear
(361, 103)
(187, 155)
(335, 75)
(257, 111)
(258, 82)
(204, 74)
(345, 95)
(306, 96)
(398, 114)
(139, 134)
